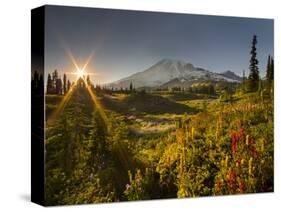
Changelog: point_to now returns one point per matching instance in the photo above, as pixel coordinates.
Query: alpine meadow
(144, 105)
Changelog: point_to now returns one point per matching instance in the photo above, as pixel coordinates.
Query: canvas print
(148, 105)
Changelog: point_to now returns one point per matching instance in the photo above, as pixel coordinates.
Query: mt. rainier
(167, 72)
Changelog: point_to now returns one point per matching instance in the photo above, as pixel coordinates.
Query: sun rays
(62, 104)
(96, 102)
(81, 73)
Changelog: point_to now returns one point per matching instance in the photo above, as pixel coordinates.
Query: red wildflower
(241, 136)
(241, 186)
(233, 135)
(233, 175)
(219, 184)
(252, 141)
(239, 162)
(232, 180)
(254, 151)
(234, 142)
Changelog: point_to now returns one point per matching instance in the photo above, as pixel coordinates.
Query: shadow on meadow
(138, 103)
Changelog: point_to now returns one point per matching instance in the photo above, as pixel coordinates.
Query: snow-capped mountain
(168, 71)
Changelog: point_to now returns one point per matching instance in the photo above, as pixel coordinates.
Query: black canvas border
(37, 107)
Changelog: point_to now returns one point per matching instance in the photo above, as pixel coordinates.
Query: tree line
(55, 85)
(254, 81)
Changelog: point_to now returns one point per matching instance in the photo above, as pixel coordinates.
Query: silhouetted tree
(41, 82)
(88, 80)
(81, 83)
(34, 81)
(272, 69)
(131, 86)
(243, 81)
(59, 86)
(268, 67)
(37, 82)
(54, 78)
(50, 84)
(68, 85)
(35, 76)
(254, 70)
(64, 84)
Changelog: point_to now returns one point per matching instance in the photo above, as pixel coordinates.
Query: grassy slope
(151, 122)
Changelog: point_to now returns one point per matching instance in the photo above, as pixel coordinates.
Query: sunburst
(80, 73)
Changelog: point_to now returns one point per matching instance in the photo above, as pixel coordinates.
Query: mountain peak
(167, 70)
(173, 61)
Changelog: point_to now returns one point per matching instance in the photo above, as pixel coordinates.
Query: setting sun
(80, 73)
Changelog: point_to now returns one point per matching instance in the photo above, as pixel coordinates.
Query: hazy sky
(126, 42)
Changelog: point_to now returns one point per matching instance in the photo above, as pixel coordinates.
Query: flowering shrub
(241, 171)
(227, 152)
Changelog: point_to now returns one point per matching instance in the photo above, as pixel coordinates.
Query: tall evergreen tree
(272, 69)
(55, 78)
(131, 86)
(35, 79)
(243, 81)
(59, 86)
(49, 84)
(268, 69)
(88, 80)
(64, 84)
(254, 70)
(68, 85)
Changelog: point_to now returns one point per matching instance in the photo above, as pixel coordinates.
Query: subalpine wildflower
(226, 160)
(192, 133)
(217, 131)
(242, 161)
(241, 186)
(238, 162)
(262, 145)
(234, 142)
(254, 151)
(250, 166)
(232, 180)
(241, 135)
(219, 184)
(247, 140)
(187, 136)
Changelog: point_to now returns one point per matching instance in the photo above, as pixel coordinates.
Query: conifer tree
(268, 68)
(88, 80)
(254, 70)
(59, 86)
(272, 69)
(54, 78)
(64, 84)
(243, 81)
(34, 81)
(131, 86)
(49, 84)
(68, 85)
